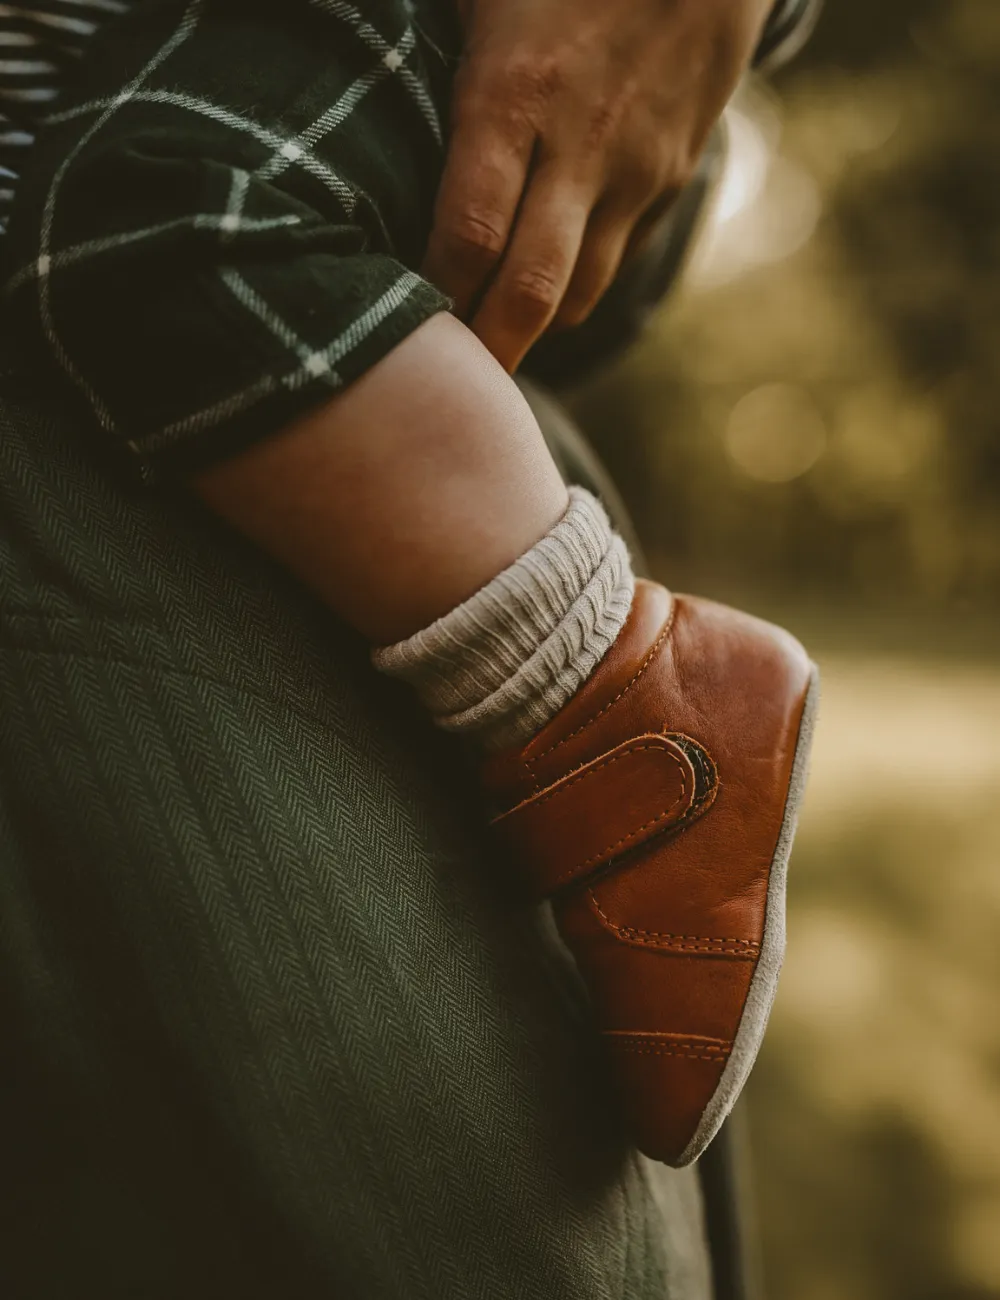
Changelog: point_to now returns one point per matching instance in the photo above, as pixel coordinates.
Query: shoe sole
(764, 983)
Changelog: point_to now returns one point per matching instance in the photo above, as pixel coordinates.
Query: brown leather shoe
(657, 810)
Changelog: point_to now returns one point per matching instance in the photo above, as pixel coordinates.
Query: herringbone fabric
(271, 1024)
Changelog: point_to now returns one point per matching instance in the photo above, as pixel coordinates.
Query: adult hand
(575, 124)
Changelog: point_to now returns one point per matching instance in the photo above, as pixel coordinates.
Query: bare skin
(406, 493)
(574, 128)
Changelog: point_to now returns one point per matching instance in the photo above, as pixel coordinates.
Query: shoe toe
(678, 929)
(650, 1068)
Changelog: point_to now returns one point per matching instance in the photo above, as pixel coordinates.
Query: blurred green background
(811, 430)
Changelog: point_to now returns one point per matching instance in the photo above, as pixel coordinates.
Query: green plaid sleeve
(218, 229)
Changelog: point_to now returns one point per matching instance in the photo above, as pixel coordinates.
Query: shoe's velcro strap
(594, 814)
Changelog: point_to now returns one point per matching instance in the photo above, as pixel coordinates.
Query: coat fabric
(272, 1023)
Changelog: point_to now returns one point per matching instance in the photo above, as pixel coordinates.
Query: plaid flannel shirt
(217, 227)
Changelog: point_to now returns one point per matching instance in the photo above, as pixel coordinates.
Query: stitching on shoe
(642, 1048)
(665, 632)
(638, 830)
(581, 774)
(705, 1042)
(678, 942)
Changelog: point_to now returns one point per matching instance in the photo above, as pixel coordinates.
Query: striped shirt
(40, 43)
(222, 217)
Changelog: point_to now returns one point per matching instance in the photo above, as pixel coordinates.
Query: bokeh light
(811, 430)
(775, 433)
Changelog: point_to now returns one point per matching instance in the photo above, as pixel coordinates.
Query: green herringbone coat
(270, 1024)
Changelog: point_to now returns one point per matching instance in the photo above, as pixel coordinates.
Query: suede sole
(764, 983)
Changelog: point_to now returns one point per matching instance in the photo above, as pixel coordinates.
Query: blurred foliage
(812, 428)
(827, 425)
(876, 1101)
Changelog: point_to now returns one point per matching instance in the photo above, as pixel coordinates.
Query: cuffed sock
(499, 666)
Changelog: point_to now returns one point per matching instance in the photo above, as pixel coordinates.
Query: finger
(647, 225)
(621, 224)
(477, 201)
(537, 267)
(601, 254)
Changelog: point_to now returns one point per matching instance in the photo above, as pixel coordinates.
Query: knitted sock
(504, 662)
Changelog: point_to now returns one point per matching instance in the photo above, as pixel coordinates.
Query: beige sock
(499, 666)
